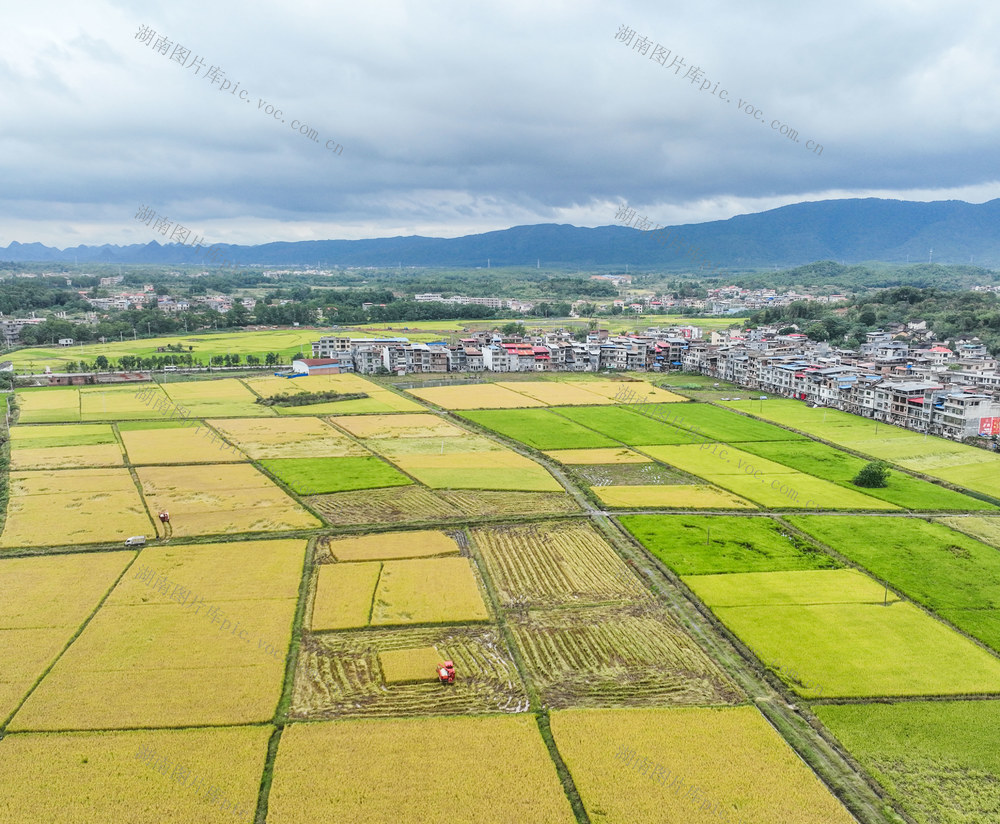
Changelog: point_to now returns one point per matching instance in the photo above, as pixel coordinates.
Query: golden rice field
(67, 457)
(554, 565)
(226, 397)
(501, 469)
(393, 448)
(176, 444)
(476, 396)
(211, 776)
(499, 771)
(409, 666)
(670, 496)
(49, 405)
(689, 766)
(344, 595)
(182, 640)
(136, 402)
(386, 546)
(491, 503)
(600, 455)
(71, 506)
(390, 593)
(37, 623)
(556, 393)
(379, 399)
(615, 657)
(643, 391)
(287, 438)
(221, 498)
(421, 425)
(339, 674)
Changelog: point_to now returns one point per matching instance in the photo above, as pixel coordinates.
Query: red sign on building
(989, 426)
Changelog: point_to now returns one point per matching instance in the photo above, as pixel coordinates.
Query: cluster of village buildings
(919, 384)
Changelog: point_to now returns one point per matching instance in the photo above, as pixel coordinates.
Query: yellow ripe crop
(67, 457)
(605, 455)
(670, 496)
(407, 666)
(480, 396)
(556, 393)
(176, 445)
(399, 426)
(287, 438)
(322, 773)
(689, 766)
(389, 545)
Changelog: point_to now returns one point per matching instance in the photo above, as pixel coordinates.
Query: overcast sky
(457, 118)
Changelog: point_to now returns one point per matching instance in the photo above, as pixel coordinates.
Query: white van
(136, 540)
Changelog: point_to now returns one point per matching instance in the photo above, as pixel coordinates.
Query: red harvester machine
(446, 672)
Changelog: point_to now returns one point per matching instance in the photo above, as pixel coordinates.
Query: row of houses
(935, 390)
(490, 352)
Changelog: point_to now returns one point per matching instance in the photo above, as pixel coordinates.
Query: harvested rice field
(339, 674)
(604, 657)
(323, 775)
(191, 635)
(70, 506)
(558, 564)
(689, 766)
(220, 498)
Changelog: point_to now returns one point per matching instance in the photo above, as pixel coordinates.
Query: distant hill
(847, 231)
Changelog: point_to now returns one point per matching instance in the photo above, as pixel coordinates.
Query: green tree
(875, 475)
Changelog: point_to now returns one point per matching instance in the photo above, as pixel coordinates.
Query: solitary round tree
(873, 476)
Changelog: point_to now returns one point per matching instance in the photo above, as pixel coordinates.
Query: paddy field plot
(317, 476)
(67, 446)
(613, 455)
(620, 423)
(46, 599)
(418, 425)
(415, 505)
(839, 639)
(960, 464)
(644, 392)
(386, 546)
(220, 498)
(475, 396)
(191, 635)
(402, 505)
(601, 657)
(388, 593)
(985, 529)
(556, 393)
(225, 398)
(142, 401)
(379, 398)
(689, 766)
(762, 481)
(699, 545)
(947, 571)
(322, 775)
(72, 506)
(339, 674)
(555, 565)
(937, 759)
(841, 468)
(170, 442)
(539, 428)
(262, 438)
(48, 405)
(139, 776)
(502, 469)
(717, 424)
(669, 496)
(410, 666)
